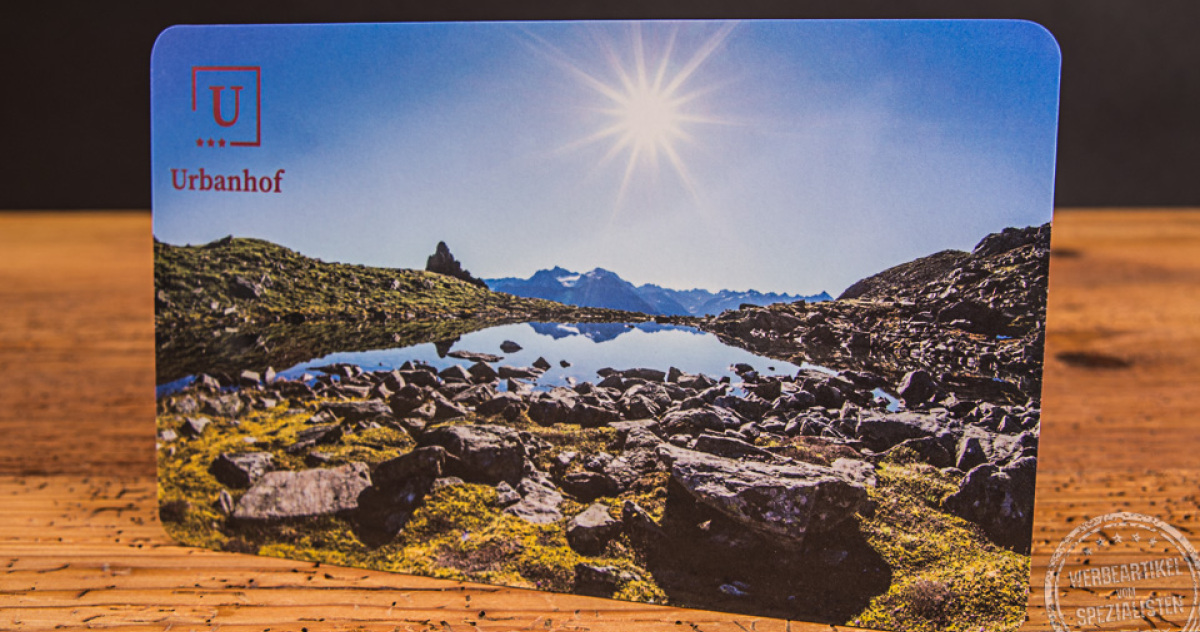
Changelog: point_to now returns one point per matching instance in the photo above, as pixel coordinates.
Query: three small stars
(200, 142)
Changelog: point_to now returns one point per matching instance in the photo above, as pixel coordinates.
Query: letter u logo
(237, 105)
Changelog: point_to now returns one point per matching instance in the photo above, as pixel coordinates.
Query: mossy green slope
(217, 282)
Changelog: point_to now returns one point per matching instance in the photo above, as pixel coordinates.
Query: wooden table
(80, 544)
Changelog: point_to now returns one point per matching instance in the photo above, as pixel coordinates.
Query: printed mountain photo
(601, 288)
(737, 316)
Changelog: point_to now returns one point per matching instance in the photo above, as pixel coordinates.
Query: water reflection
(575, 351)
(602, 332)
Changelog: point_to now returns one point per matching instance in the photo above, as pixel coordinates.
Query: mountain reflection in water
(575, 351)
(602, 332)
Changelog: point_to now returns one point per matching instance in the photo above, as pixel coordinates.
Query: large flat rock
(315, 492)
(783, 503)
(883, 431)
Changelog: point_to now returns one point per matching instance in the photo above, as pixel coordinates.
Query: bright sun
(650, 119)
(647, 106)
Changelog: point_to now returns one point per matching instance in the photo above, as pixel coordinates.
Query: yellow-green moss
(572, 438)
(946, 575)
(645, 591)
(371, 446)
(649, 492)
(459, 533)
(450, 510)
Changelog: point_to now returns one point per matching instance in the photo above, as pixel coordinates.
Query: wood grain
(80, 545)
(76, 344)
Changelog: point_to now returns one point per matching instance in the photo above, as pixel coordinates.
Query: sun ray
(639, 56)
(600, 135)
(699, 58)
(558, 58)
(614, 151)
(629, 169)
(666, 59)
(614, 61)
(681, 169)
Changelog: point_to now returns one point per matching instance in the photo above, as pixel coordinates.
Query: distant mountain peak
(604, 288)
(569, 279)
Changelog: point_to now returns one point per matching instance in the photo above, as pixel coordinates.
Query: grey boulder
(783, 503)
(880, 432)
(307, 493)
(1000, 501)
(351, 412)
(241, 470)
(539, 502)
(696, 420)
(589, 532)
(600, 581)
(488, 454)
(917, 387)
(194, 426)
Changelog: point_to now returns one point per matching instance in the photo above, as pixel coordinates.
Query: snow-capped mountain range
(603, 288)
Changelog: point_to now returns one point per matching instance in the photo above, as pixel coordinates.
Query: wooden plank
(77, 343)
(1123, 289)
(80, 545)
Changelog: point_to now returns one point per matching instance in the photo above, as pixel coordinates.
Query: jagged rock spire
(442, 262)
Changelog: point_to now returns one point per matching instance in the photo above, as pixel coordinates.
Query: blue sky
(787, 156)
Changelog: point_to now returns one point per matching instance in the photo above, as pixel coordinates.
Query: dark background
(76, 89)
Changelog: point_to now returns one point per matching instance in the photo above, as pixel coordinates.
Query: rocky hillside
(914, 274)
(974, 321)
(247, 303)
(999, 287)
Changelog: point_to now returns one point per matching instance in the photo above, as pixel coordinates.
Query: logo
(1124, 571)
(228, 101)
